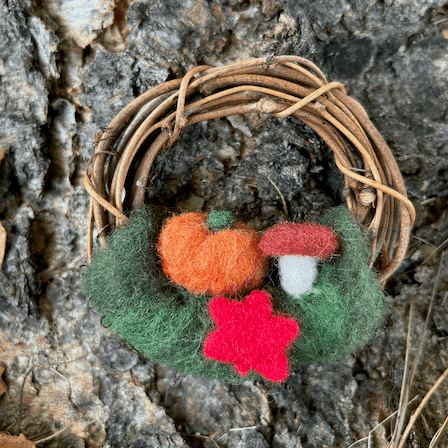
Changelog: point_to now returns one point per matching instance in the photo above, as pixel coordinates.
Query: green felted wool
(219, 220)
(166, 328)
(168, 325)
(346, 304)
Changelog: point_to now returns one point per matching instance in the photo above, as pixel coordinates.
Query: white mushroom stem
(297, 273)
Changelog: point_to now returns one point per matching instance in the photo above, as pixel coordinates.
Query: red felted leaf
(222, 311)
(250, 336)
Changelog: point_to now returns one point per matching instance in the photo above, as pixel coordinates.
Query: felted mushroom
(299, 247)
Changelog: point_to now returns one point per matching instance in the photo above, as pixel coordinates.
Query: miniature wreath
(191, 292)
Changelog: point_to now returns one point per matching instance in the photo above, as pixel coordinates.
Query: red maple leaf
(250, 336)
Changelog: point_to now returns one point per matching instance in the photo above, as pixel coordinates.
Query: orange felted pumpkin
(203, 255)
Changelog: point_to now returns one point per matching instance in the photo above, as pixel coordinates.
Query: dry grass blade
(435, 440)
(420, 407)
(2, 384)
(19, 417)
(200, 436)
(405, 386)
(369, 437)
(408, 377)
(428, 317)
(68, 382)
(22, 389)
(243, 429)
(45, 439)
(2, 229)
(435, 251)
(285, 205)
(2, 244)
(364, 439)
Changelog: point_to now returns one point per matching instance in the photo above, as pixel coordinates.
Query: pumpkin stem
(219, 220)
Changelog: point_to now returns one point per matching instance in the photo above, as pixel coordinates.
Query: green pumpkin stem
(219, 220)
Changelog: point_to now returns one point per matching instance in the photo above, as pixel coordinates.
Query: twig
(423, 241)
(429, 200)
(245, 429)
(45, 439)
(428, 316)
(19, 418)
(3, 236)
(438, 434)
(378, 425)
(162, 158)
(405, 385)
(359, 441)
(285, 205)
(56, 363)
(444, 299)
(407, 381)
(440, 21)
(48, 366)
(206, 437)
(420, 407)
(435, 251)
(69, 385)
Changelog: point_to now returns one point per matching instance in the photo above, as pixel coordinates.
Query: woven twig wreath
(282, 86)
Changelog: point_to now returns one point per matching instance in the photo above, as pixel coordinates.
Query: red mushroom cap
(307, 239)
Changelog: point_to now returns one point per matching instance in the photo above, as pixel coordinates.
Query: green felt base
(168, 325)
